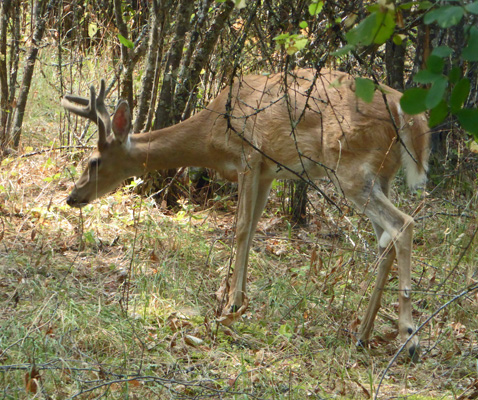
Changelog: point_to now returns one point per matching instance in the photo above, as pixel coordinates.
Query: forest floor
(118, 300)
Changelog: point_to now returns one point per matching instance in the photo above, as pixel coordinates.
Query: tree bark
(201, 18)
(395, 63)
(422, 50)
(165, 113)
(39, 23)
(5, 108)
(152, 68)
(126, 91)
(13, 65)
(299, 201)
(187, 87)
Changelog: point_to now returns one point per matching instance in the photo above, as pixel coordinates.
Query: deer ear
(122, 121)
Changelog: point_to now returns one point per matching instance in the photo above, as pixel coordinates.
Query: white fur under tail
(416, 173)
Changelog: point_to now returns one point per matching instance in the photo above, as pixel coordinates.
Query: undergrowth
(119, 300)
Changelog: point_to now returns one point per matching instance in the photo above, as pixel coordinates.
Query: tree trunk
(152, 68)
(191, 79)
(195, 35)
(13, 66)
(165, 113)
(395, 62)
(422, 50)
(299, 201)
(5, 108)
(39, 24)
(126, 91)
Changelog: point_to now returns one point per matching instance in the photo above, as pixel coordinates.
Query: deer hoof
(361, 344)
(234, 308)
(414, 352)
(235, 312)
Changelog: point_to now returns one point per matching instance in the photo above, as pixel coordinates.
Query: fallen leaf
(154, 257)
(134, 383)
(193, 340)
(229, 318)
(32, 379)
(177, 324)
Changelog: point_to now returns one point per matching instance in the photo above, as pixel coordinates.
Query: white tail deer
(262, 129)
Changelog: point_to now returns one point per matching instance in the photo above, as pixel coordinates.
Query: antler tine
(100, 100)
(93, 108)
(104, 120)
(76, 105)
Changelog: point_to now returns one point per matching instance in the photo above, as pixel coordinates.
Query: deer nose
(73, 201)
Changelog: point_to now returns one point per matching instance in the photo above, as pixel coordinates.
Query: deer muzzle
(73, 201)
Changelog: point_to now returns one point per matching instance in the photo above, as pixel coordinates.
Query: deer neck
(181, 145)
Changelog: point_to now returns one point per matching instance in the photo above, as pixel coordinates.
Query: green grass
(118, 300)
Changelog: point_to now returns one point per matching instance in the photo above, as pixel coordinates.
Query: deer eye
(94, 163)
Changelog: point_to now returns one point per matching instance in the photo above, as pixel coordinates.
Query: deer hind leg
(393, 226)
(253, 195)
(385, 261)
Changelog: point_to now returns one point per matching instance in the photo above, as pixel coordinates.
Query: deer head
(106, 167)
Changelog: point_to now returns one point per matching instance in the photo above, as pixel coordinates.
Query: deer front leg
(253, 195)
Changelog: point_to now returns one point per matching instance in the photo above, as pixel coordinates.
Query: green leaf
(282, 37)
(470, 52)
(377, 28)
(364, 89)
(459, 94)
(445, 16)
(425, 76)
(413, 101)
(425, 5)
(407, 6)
(442, 51)
(468, 120)
(386, 27)
(343, 50)
(398, 39)
(89, 237)
(315, 8)
(373, 8)
(92, 29)
(125, 42)
(300, 42)
(454, 75)
(240, 4)
(438, 114)
(363, 32)
(430, 17)
(303, 24)
(436, 93)
(435, 64)
(472, 8)
(286, 330)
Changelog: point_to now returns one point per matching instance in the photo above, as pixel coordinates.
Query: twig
(35, 153)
